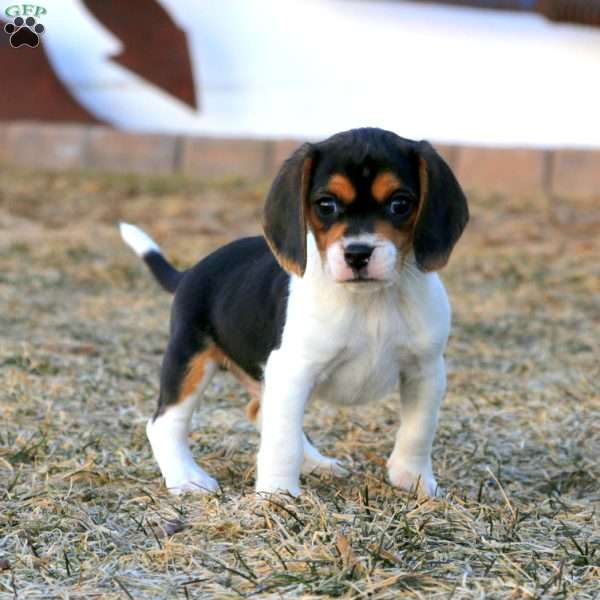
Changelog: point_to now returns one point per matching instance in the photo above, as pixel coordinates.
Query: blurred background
(499, 72)
(508, 90)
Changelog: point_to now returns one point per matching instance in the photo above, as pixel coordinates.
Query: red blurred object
(30, 88)
(153, 46)
(584, 12)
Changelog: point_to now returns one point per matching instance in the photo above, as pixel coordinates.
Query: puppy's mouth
(365, 284)
(361, 280)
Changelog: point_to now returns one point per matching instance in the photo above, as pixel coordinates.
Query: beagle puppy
(340, 300)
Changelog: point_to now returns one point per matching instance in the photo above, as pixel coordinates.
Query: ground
(84, 513)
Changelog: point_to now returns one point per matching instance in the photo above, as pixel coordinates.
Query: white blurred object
(309, 68)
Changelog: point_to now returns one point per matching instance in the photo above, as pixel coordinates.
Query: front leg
(421, 394)
(287, 387)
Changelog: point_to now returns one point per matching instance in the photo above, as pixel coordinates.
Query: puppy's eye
(401, 206)
(328, 207)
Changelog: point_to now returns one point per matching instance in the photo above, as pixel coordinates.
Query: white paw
(277, 485)
(315, 462)
(324, 465)
(168, 438)
(191, 478)
(411, 478)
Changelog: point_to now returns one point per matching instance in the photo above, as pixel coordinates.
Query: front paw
(191, 478)
(315, 462)
(278, 485)
(411, 478)
(325, 466)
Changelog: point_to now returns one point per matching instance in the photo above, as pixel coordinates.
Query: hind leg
(313, 461)
(186, 371)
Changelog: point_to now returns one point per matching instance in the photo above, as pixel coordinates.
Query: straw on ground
(82, 330)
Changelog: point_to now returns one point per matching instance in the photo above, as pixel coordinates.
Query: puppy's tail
(147, 249)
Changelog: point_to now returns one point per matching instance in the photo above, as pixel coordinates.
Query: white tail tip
(135, 238)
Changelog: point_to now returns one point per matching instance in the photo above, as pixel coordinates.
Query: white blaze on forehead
(368, 239)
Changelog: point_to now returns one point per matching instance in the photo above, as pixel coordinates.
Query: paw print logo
(24, 32)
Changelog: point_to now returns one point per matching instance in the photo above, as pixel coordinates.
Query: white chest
(366, 362)
(357, 344)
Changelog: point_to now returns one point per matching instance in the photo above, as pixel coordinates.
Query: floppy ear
(443, 210)
(284, 217)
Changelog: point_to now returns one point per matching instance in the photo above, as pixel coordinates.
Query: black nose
(357, 255)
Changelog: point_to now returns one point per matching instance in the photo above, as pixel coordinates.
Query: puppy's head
(369, 198)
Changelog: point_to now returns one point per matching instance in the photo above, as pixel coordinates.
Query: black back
(238, 297)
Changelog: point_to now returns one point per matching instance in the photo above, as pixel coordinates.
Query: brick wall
(523, 172)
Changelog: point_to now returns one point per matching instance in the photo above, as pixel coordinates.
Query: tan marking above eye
(384, 185)
(342, 188)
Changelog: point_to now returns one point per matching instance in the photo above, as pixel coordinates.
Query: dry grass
(83, 326)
